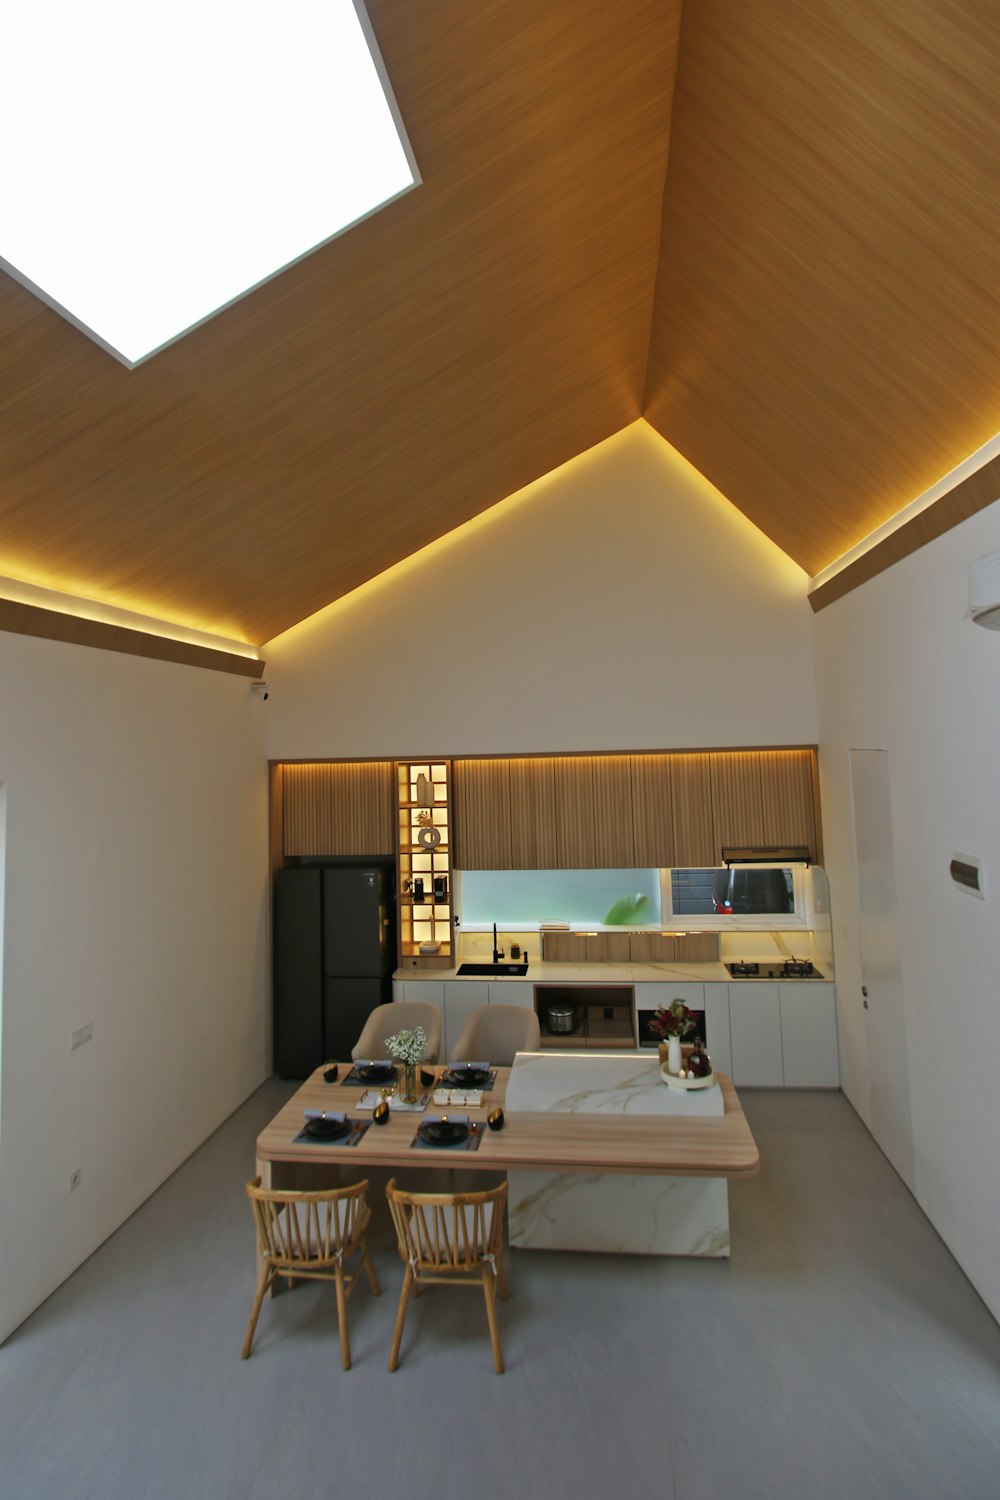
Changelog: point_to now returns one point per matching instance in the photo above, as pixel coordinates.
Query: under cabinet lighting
(161, 162)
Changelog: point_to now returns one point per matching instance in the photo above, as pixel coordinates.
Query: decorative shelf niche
(426, 928)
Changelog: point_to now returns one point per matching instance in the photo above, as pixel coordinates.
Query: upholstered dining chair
(496, 1032)
(399, 1015)
(450, 1239)
(309, 1237)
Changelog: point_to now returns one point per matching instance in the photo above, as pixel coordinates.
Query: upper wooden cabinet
(570, 811)
(691, 792)
(341, 807)
(533, 841)
(482, 814)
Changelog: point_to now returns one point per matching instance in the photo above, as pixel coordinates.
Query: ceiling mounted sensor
(162, 162)
(984, 591)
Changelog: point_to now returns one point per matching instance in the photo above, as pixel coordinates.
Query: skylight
(161, 161)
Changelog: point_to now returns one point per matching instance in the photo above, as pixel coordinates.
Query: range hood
(766, 854)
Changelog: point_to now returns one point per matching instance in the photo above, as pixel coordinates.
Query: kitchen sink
(491, 971)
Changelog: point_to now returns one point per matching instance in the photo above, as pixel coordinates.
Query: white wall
(620, 603)
(135, 899)
(899, 669)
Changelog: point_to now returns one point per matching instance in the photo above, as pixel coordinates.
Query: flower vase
(674, 1055)
(408, 1089)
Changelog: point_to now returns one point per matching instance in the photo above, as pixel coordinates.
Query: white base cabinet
(809, 1035)
(764, 1035)
(784, 1035)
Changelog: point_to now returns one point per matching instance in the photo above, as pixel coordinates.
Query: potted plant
(407, 1047)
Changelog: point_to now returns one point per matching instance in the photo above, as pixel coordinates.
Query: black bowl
(327, 1130)
(330, 1073)
(467, 1077)
(426, 1077)
(444, 1132)
(377, 1073)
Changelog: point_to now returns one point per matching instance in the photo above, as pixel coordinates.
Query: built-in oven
(649, 1038)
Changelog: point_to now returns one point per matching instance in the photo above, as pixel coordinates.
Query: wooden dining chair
(450, 1239)
(308, 1237)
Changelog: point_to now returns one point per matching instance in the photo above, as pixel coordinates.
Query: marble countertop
(601, 973)
(585, 1084)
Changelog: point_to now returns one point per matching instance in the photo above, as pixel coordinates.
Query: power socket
(75, 1178)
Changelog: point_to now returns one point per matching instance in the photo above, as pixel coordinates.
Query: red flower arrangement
(673, 1020)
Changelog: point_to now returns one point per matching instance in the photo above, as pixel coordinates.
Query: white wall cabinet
(510, 992)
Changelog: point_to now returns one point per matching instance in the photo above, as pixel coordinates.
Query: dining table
(597, 1153)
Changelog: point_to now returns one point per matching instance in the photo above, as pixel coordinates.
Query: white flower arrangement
(407, 1046)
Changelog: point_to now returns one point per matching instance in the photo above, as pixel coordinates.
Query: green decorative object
(627, 909)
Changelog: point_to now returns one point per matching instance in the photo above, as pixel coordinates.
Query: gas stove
(792, 968)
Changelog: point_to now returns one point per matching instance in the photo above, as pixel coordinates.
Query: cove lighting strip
(162, 161)
(954, 477)
(37, 597)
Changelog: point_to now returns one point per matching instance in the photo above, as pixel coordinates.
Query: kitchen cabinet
(481, 797)
(809, 1035)
(424, 992)
(605, 1015)
(789, 799)
(691, 803)
(573, 810)
(510, 992)
(755, 1031)
(614, 813)
(652, 811)
(338, 808)
(784, 1035)
(533, 843)
(737, 800)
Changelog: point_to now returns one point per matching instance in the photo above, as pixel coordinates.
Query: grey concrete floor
(839, 1353)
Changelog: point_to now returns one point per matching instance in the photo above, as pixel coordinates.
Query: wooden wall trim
(53, 625)
(967, 498)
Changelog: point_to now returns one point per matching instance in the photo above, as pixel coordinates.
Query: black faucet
(497, 952)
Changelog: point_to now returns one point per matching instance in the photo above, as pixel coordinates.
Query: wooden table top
(701, 1146)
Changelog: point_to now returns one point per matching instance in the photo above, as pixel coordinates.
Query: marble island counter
(639, 1213)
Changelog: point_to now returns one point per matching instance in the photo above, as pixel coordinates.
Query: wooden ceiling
(802, 301)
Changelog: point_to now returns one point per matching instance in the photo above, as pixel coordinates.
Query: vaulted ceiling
(766, 225)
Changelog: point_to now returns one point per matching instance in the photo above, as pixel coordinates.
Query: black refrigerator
(334, 953)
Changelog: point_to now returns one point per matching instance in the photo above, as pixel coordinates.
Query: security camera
(260, 691)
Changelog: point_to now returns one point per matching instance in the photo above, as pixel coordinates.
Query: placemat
(471, 1142)
(441, 1081)
(370, 1083)
(358, 1128)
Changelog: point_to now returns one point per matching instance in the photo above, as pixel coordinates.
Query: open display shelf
(424, 856)
(604, 1012)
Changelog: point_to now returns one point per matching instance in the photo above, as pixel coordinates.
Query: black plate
(443, 1133)
(377, 1073)
(327, 1130)
(466, 1077)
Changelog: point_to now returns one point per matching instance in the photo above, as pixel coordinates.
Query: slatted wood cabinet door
(339, 808)
(482, 815)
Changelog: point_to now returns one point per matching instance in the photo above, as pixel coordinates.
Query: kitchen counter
(587, 973)
(606, 972)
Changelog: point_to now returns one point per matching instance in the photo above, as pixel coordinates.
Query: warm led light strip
(32, 594)
(964, 470)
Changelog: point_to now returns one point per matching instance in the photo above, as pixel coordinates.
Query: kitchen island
(683, 1156)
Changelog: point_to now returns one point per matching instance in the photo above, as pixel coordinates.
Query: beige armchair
(494, 1033)
(401, 1015)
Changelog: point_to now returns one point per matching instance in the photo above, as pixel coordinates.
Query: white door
(882, 984)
